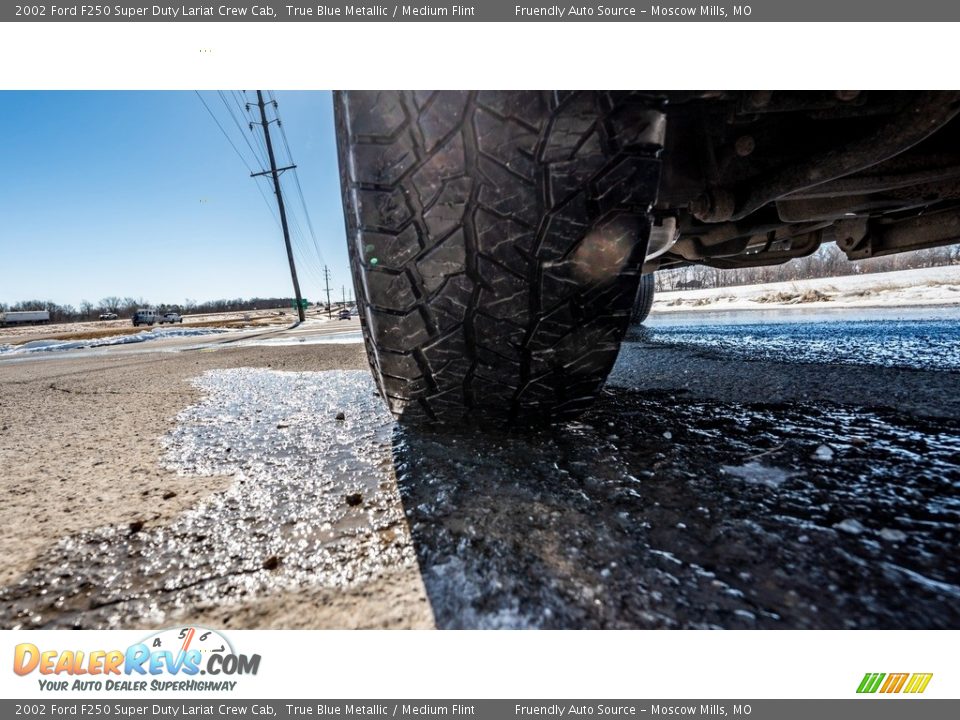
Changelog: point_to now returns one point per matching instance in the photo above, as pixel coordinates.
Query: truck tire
(644, 302)
(496, 241)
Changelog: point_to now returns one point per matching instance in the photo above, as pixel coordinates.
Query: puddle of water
(313, 502)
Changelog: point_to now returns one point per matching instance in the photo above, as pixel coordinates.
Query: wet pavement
(659, 512)
(902, 341)
(709, 487)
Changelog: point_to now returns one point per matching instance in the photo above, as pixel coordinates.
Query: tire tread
(479, 204)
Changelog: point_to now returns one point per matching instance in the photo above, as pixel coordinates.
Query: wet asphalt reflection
(922, 343)
(659, 512)
(655, 510)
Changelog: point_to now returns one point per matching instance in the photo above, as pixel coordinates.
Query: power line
(239, 154)
(243, 109)
(295, 237)
(326, 276)
(296, 233)
(275, 173)
(236, 122)
(315, 278)
(258, 137)
(296, 178)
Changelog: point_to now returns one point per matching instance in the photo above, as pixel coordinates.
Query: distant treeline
(125, 307)
(828, 261)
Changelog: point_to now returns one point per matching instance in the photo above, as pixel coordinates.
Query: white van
(144, 317)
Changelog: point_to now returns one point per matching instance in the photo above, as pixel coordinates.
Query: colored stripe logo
(912, 683)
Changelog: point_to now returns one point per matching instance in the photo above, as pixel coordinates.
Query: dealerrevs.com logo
(169, 660)
(887, 683)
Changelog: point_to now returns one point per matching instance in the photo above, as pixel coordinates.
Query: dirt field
(15, 335)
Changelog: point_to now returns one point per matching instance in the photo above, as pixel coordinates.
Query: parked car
(108, 316)
(170, 317)
(144, 317)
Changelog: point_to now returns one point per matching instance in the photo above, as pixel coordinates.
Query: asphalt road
(797, 472)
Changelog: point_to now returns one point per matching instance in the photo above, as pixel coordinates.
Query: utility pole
(326, 277)
(343, 290)
(274, 171)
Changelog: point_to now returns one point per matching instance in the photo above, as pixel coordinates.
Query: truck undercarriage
(758, 178)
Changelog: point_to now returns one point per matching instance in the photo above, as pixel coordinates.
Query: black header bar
(485, 11)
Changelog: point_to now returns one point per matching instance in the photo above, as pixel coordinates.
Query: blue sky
(139, 194)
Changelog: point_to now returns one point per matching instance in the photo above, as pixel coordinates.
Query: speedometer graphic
(193, 637)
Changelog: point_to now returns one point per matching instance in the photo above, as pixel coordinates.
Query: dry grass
(699, 302)
(813, 295)
(794, 297)
(231, 324)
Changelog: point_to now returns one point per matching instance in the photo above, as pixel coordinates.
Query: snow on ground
(903, 288)
(38, 346)
(309, 338)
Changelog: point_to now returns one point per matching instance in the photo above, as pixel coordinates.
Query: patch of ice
(891, 535)
(823, 453)
(854, 527)
(457, 580)
(38, 346)
(758, 474)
